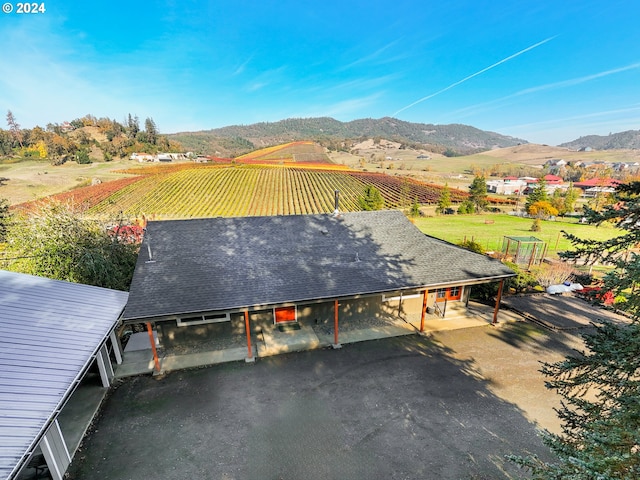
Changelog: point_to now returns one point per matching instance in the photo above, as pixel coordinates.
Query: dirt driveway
(446, 407)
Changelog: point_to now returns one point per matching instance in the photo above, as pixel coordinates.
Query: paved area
(138, 357)
(449, 406)
(560, 312)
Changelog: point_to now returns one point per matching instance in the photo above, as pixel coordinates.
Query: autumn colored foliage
(190, 190)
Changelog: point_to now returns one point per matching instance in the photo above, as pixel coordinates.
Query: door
(284, 315)
(449, 294)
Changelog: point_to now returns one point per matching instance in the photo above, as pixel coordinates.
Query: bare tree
(14, 128)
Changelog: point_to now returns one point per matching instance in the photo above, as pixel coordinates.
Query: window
(185, 322)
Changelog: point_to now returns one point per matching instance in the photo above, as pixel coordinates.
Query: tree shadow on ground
(404, 407)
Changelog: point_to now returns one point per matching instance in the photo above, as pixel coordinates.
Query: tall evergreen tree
(600, 386)
(151, 130)
(538, 194)
(14, 128)
(372, 199)
(478, 193)
(444, 200)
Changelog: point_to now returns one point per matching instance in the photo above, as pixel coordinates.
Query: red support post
(424, 310)
(335, 323)
(499, 296)
(152, 339)
(248, 331)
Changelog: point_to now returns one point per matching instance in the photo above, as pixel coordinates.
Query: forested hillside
(239, 139)
(629, 139)
(83, 140)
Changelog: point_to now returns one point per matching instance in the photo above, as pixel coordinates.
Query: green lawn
(489, 230)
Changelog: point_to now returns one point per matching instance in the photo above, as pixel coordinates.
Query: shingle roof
(233, 263)
(49, 332)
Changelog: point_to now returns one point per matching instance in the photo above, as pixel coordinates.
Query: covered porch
(165, 346)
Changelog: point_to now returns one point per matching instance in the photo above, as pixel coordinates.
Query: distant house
(598, 182)
(142, 157)
(553, 179)
(67, 127)
(198, 279)
(594, 186)
(506, 186)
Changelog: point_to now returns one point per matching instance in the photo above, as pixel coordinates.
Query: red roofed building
(598, 182)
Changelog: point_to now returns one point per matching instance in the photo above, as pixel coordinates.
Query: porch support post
(498, 297)
(55, 451)
(336, 343)
(117, 350)
(247, 329)
(424, 310)
(104, 365)
(156, 361)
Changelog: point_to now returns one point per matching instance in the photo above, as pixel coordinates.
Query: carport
(57, 349)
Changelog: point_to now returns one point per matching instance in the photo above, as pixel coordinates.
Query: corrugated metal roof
(49, 332)
(231, 263)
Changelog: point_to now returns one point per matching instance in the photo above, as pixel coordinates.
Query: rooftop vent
(336, 212)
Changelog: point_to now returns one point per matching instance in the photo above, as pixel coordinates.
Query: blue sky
(545, 71)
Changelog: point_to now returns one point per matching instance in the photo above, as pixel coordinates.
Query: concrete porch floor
(271, 341)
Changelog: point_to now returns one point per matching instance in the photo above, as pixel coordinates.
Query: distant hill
(622, 140)
(239, 139)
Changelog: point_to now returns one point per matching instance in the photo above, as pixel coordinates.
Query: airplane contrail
(510, 57)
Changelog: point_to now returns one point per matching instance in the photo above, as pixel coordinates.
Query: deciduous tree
(5, 218)
(59, 242)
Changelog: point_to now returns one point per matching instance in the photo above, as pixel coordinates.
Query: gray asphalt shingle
(233, 263)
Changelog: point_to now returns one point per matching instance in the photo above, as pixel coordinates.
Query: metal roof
(49, 332)
(220, 264)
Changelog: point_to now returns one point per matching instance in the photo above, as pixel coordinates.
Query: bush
(536, 226)
(552, 274)
(583, 278)
(523, 279)
(82, 157)
(466, 207)
(472, 246)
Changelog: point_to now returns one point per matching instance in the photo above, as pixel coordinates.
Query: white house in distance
(159, 157)
(523, 185)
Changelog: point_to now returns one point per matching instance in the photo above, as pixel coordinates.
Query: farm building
(312, 276)
(57, 350)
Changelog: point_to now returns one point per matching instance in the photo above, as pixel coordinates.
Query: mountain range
(613, 141)
(238, 139)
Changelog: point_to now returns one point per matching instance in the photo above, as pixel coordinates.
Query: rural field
(489, 230)
(190, 190)
(293, 178)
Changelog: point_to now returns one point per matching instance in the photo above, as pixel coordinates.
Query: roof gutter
(311, 301)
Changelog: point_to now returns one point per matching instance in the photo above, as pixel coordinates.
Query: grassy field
(489, 230)
(33, 179)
